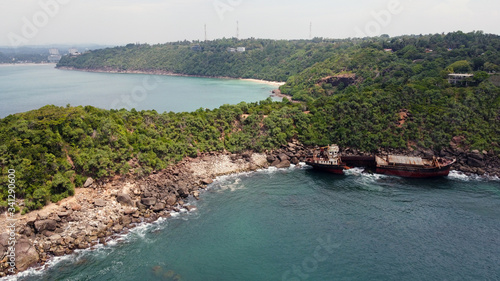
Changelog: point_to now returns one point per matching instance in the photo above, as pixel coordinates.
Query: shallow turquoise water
(298, 224)
(27, 87)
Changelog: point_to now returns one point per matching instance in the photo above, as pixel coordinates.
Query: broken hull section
(409, 172)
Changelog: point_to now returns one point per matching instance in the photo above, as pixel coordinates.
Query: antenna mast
(205, 32)
(237, 30)
(310, 30)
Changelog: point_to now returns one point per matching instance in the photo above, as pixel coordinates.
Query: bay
(28, 87)
(298, 224)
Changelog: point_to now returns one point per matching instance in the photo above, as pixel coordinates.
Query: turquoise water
(298, 224)
(27, 87)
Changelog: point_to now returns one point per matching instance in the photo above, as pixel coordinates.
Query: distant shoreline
(170, 73)
(27, 64)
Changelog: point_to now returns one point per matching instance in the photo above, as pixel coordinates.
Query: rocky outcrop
(88, 182)
(124, 199)
(26, 254)
(42, 225)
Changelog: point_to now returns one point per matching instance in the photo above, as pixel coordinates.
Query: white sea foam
(354, 172)
(460, 176)
(139, 231)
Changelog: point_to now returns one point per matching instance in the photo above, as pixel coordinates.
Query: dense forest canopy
(366, 93)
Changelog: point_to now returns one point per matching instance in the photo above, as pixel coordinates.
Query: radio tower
(205, 32)
(310, 30)
(237, 30)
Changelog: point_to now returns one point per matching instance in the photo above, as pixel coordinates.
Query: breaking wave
(460, 176)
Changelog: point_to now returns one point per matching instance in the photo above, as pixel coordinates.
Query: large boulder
(283, 164)
(26, 254)
(99, 202)
(475, 162)
(124, 199)
(283, 157)
(88, 182)
(183, 190)
(476, 155)
(43, 225)
(275, 163)
(148, 201)
(158, 207)
(171, 199)
(207, 181)
(270, 158)
(4, 242)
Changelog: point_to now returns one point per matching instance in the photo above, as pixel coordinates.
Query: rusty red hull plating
(413, 172)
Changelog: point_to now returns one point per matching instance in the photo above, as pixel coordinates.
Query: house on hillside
(459, 78)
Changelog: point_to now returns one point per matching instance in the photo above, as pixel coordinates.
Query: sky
(118, 22)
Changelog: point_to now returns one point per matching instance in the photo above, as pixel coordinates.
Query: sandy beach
(272, 83)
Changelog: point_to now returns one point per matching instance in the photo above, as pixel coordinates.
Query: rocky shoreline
(103, 209)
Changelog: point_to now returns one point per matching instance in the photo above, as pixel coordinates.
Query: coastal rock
(283, 164)
(171, 199)
(88, 182)
(196, 194)
(4, 242)
(64, 214)
(158, 207)
(100, 203)
(207, 181)
(475, 163)
(275, 163)
(117, 228)
(59, 251)
(43, 225)
(283, 157)
(183, 190)
(295, 160)
(476, 155)
(76, 207)
(271, 158)
(124, 199)
(26, 254)
(148, 201)
(147, 194)
(190, 207)
(126, 220)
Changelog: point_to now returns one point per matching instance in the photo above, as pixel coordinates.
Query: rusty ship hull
(413, 167)
(334, 169)
(413, 172)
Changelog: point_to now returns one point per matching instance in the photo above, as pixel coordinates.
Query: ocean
(28, 87)
(300, 224)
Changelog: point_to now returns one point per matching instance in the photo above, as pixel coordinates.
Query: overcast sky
(118, 22)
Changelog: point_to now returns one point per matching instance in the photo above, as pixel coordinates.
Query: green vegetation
(56, 148)
(354, 92)
(263, 59)
(22, 57)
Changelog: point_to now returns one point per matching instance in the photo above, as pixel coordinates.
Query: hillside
(262, 59)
